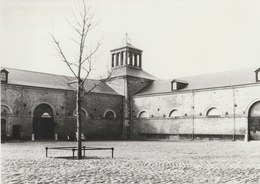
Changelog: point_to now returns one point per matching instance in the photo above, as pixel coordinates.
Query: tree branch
(93, 52)
(110, 73)
(60, 51)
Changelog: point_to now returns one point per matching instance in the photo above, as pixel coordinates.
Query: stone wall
(233, 104)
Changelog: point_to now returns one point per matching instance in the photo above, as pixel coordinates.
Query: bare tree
(82, 65)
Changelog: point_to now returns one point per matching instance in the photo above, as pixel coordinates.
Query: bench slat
(73, 149)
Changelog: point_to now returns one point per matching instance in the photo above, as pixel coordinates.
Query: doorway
(43, 122)
(3, 128)
(16, 131)
(254, 121)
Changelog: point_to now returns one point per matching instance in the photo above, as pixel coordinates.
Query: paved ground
(135, 162)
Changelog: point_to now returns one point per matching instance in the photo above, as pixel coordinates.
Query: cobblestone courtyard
(134, 162)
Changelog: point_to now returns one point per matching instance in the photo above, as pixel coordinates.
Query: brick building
(132, 104)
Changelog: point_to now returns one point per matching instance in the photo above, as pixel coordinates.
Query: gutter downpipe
(193, 111)
(234, 114)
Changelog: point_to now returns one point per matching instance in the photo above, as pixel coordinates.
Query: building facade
(132, 104)
(40, 106)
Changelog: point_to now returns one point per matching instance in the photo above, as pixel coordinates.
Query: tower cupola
(126, 55)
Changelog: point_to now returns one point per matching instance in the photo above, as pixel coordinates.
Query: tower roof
(133, 72)
(126, 55)
(126, 43)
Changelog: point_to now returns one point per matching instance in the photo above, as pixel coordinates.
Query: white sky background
(178, 37)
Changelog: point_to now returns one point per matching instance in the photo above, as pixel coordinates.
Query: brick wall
(22, 100)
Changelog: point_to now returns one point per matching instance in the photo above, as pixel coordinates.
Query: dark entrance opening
(16, 131)
(3, 128)
(5, 114)
(43, 123)
(254, 121)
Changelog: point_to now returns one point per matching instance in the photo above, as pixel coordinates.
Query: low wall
(91, 128)
(189, 127)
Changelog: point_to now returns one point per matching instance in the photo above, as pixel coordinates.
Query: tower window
(126, 55)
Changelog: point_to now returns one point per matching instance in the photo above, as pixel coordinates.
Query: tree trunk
(78, 110)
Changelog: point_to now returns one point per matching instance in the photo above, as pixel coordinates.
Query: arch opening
(174, 113)
(84, 113)
(213, 112)
(109, 114)
(5, 113)
(254, 121)
(143, 114)
(43, 122)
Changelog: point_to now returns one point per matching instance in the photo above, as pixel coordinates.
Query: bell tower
(126, 55)
(128, 78)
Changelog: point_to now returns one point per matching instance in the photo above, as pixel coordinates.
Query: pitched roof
(127, 44)
(222, 79)
(133, 72)
(124, 45)
(38, 79)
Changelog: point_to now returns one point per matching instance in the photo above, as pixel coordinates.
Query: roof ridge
(206, 81)
(48, 80)
(36, 72)
(220, 72)
(42, 73)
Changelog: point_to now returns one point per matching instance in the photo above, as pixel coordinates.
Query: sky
(178, 37)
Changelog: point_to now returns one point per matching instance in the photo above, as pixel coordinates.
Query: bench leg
(84, 149)
(73, 151)
(112, 152)
(46, 151)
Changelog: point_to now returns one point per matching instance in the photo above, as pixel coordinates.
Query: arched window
(143, 114)
(4, 111)
(174, 113)
(213, 112)
(83, 112)
(43, 110)
(46, 115)
(255, 110)
(109, 114)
